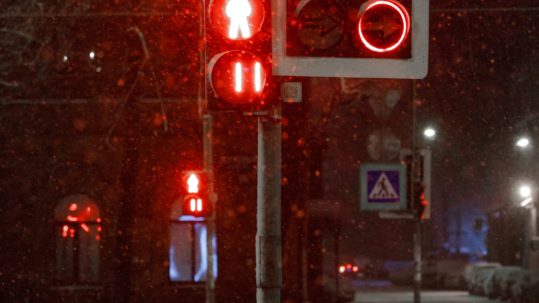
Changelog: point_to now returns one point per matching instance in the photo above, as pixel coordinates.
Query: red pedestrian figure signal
(193, 184)
(236, 19)
(238, 11)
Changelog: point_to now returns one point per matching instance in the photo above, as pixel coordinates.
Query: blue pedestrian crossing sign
(382, 187)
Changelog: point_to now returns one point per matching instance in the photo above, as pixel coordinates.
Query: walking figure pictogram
(238, 12)
(383, 188)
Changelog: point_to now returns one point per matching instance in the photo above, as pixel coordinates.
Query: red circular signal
(238, 77)
(236, 19)
(383, 25)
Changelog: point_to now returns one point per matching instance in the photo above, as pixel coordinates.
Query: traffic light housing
(421, 181)
(351, 38)
(238, 54)
(350, 29)
(194, 194)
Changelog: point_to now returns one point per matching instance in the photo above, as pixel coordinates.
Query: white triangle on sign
(383, 189)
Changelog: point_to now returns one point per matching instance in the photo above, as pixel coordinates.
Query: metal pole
(268, 216)
(529, 235)
(417, 261)
(414, 177)
(207, 125)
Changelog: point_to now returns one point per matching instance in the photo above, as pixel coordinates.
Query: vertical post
(530, 235)
(414, 177)
(268, 216)
(417, 261)
(207, 129)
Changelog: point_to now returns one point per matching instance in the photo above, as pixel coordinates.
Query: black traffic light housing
(238, 70)
(349, 29)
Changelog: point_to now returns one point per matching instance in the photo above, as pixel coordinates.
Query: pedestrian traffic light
(420, 202)
(238, 44)
(194, 194)
(351, 38)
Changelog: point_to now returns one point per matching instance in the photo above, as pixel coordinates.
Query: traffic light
(420, 202)
(350, 29)
(194, 194)
(238, 45)
(351, 38)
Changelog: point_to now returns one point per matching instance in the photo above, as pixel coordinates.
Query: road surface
(406, 296)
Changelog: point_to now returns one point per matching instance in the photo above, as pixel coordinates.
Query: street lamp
(523, 142)
(429, 133)
(525, 193)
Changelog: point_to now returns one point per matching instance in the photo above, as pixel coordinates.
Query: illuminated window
(78, 234)
(188, 249)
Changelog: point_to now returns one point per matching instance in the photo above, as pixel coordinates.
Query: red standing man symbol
(238, 11)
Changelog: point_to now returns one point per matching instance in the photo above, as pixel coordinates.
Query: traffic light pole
(268, 216)
(414, 178)
(207, 128)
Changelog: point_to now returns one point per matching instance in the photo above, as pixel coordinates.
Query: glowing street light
(429, 133)
(525, 191)
(523, 142)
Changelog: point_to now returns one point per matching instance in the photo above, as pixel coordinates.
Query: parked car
(477, 275)
(526, 288)
(499, 284)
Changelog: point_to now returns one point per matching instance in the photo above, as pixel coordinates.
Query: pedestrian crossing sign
(382, 187)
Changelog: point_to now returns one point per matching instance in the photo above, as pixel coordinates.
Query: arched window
(78, 232)
(188, 248)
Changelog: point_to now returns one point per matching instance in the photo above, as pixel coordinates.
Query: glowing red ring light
(405, 21)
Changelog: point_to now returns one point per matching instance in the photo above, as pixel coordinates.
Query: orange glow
(85, 227)
(193, 184)
(72, 233)
(405, 19)
(238, 12)
(424, 203)
(88, 209)
(98, 220)
(72, 218)
(98, 237)
(73, 207)
(99, 229)
(65, 229)
(355, 269)
(258, 77)
(238, 77)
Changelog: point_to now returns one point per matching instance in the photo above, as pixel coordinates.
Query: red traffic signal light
(238, 77)
(351, 39)
(236, 19)
(239, 50)
(384, 25)
(194, 195)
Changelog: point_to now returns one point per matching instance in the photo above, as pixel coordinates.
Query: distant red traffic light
(383, 25)
(194, 196)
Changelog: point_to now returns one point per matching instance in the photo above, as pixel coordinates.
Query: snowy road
(399, 296)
